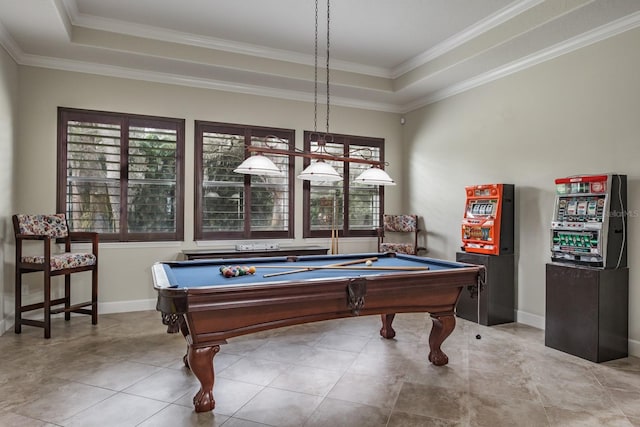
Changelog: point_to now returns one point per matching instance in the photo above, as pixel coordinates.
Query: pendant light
(258, 165)
(374, 176)
(319, 170)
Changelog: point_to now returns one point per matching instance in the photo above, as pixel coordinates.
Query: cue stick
(340, 267)
(334, 243)
(333, 224)
(310, 268)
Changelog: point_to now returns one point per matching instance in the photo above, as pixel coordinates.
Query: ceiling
(384, 55)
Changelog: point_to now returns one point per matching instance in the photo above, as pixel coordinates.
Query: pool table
(208, 308)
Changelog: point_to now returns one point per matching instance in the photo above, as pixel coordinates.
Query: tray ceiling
(384, 55)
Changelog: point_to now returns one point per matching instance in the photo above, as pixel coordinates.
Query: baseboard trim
(150, 304)
(103, 308)
(530, 319)
(126, 306)
(634, 348)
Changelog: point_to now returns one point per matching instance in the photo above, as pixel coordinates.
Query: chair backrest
(401, 223)
(52, 225)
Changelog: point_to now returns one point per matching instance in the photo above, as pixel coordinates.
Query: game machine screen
(589, 221)
(487, 226)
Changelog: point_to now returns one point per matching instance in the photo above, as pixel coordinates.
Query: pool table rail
(219, 313)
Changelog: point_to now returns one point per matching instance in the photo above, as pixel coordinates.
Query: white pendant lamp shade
(258, 165)
(320, 171)
(374, 176)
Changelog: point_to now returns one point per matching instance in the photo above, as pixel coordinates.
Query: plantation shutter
(92, 198)
(327, 207)
(364, 200)
(222, 189)
(237, 206)
(270, 194)
(350, 208)
(152, 179)
(121, 175)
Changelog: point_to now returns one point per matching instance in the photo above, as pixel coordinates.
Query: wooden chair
(49, 229)
(396, 225)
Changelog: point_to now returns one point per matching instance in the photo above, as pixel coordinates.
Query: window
(229, 205)
(351, 209)
(121, 175)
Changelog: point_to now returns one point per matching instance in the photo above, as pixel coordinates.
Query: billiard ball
(369, 263)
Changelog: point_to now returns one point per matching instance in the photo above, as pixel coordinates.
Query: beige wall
(572, 115)
(125, 280)
(8, 124)
(577, 114)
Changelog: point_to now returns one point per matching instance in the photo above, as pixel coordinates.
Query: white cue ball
(369, 263)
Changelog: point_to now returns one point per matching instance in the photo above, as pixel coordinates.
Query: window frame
(344, 231)
(125, 120)
(248, 131)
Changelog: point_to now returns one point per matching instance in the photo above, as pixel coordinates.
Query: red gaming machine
(487, 226)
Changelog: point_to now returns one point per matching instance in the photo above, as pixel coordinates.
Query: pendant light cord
(328, 22)
(315, 77)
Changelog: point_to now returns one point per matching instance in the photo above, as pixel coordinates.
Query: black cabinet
(497, 300)
(587, 311)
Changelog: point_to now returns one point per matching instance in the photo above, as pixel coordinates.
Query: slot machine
(487, 225)
(589, 221)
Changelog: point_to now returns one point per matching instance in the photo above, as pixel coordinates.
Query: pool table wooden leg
(443, 325)
(201, 364)
(387, 330)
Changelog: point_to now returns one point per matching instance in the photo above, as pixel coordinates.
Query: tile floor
(127, 371)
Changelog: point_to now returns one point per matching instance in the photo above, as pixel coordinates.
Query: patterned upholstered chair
(52, 229)
(395, 225)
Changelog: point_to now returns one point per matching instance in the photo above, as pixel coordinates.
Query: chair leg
(47, 305)
(94, 296)
(18, 303)
(67, 296)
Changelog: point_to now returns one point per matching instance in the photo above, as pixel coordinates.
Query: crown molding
(588, 38)
(10, 45)
(468, 34)
(69, 8)
(181, 80)
(66, 9)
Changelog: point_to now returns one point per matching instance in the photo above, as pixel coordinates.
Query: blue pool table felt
(206, 273)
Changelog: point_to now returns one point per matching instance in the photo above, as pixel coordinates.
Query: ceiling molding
(470, 33)
(66, 9)
(594, 36)
(181, 80)
(190, 39)
(10, 45)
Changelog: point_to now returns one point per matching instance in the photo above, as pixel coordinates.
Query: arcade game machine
(587, 281)
(488, 239)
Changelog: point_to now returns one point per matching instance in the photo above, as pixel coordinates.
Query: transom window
(230, 205)
(350, 208)
(121, 175)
